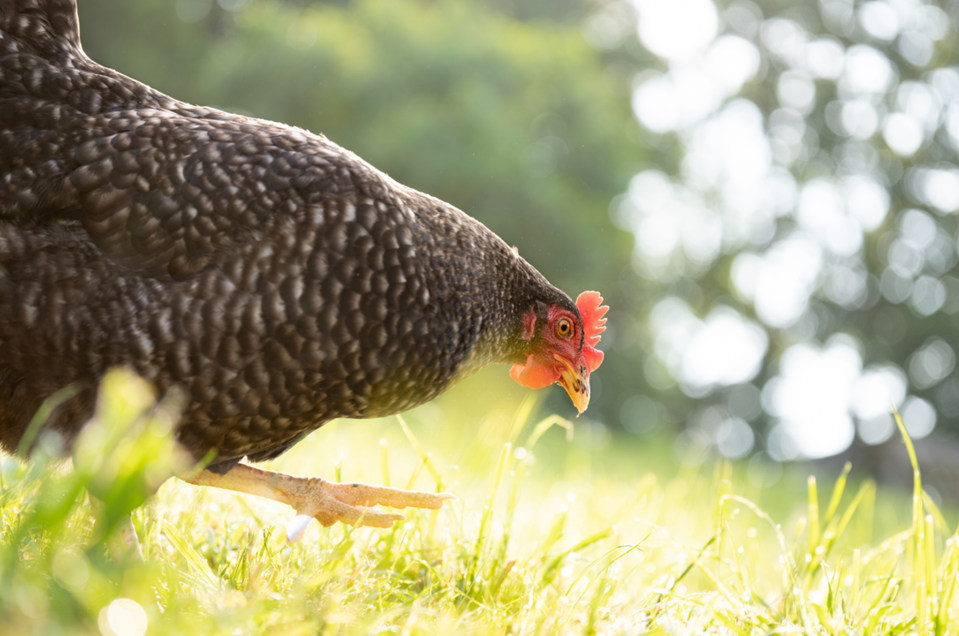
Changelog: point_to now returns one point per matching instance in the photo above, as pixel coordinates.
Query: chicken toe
(325, 501)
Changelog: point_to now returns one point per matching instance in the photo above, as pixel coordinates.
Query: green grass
(549, 537)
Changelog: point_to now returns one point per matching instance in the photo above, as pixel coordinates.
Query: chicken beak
(576, 384)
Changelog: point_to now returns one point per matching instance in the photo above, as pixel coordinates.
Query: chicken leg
(317, 498)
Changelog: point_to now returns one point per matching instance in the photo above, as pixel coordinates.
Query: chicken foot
(317, 498)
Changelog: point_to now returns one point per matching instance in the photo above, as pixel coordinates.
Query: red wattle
(593, 358)
(533, 374)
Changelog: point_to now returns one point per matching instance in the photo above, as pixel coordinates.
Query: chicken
(279, 280)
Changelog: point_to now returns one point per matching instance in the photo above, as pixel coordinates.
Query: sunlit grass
(549, 537)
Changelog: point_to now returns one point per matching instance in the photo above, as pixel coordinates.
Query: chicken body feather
(277, 278)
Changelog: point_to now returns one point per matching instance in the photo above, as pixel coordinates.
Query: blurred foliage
(55, 572)
(805, 192)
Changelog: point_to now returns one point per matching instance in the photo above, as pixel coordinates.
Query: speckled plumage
(276, 277)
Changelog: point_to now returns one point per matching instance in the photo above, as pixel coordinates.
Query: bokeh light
(677, 29)
(123, 617)
(816, 170)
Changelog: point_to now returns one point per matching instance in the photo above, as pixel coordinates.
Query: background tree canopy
(764, 191)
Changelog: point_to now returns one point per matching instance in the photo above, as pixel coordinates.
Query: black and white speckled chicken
(277, 278)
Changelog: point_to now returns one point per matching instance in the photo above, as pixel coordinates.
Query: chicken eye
(564, 328)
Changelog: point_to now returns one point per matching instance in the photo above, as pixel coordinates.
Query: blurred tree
(799, 230)
(503, 110)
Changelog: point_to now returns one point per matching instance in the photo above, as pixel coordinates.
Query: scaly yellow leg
(317, 498)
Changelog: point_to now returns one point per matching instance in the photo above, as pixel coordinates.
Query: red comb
(592, 311)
